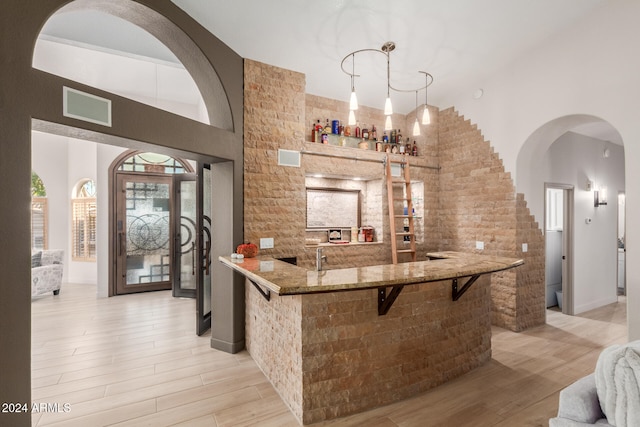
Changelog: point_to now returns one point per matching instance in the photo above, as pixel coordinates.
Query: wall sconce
(600, 197)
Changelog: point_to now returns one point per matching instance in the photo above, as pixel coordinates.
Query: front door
(144, 230)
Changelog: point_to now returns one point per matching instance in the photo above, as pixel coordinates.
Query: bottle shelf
(352, 142)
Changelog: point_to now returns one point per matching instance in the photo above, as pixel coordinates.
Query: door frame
(120, 211)
(567, 242)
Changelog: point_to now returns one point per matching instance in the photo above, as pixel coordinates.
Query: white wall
(49, 161)
(153, 82)
(590, 69)
(61, 162)
(573, 159)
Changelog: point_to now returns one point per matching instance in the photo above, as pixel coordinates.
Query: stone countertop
(287, 279)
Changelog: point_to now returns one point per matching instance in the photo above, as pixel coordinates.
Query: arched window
(154, 163)
(83, 226)
(39, 213)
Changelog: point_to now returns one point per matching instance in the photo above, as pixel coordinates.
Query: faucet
(319, 259)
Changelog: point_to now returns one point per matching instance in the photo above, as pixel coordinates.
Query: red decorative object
(249, 250)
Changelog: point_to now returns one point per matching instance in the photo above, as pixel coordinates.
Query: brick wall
(478, 202)
(471, 198)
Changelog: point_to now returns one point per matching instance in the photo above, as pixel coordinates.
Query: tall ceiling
(460, 42)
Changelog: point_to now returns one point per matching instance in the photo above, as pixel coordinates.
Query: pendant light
(416, 125)
(426, 118)
(353, 101)
(388, 108)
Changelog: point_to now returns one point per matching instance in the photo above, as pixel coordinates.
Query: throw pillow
(36, 259)
(618, 384)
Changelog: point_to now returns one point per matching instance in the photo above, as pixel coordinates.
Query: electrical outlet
(525, 247)
(480, 245)
(266, 243)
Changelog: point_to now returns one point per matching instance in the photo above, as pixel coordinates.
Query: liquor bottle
(374, 133)
(365, 132)
(399, 137)
(402, 148)
(327, 127)
(407, 148)
(394, 148)
(347, 130)
(357, 134)
(414, 150)
(385, 137)
(394, 135)
(314, 132)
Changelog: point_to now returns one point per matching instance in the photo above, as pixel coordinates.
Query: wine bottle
(414, 150)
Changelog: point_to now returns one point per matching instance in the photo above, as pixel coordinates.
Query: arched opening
(560, 168)
(130, 50)
(148, 222)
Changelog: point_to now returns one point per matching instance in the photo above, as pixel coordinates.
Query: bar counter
(287, 279)
(329, 350)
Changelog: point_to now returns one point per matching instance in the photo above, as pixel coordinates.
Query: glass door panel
(203, 294)
(144, 230)
(187, 237)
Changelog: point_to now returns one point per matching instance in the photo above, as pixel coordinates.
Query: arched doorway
(154, 224)
(579, 154)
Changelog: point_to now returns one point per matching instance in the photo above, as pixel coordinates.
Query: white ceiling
(460, 42)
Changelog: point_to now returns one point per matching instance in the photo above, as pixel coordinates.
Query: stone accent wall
(331, 355)
(355, 360)
(274, 195)
(478, 203)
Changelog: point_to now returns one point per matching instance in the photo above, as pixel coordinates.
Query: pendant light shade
(352, 118)
(353, 101)
(387, 123)
(416, 128)
(388, 108)
(416, 125)
(426, 117)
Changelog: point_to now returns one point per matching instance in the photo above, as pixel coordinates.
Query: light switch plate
(480, 245)
(525, 247)
(266, 243)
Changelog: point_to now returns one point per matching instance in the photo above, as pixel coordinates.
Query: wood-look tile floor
(135, 361)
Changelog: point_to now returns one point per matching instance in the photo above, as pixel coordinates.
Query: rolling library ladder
(400, 207)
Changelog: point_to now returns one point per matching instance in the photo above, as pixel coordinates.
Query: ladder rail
(406, 198)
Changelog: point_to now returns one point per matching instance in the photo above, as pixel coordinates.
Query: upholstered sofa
(46, 272)
(608, 397)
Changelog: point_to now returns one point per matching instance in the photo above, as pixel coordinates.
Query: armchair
(46, 272)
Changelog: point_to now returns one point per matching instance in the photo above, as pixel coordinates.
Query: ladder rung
(404, 199)
(403, 216)
(398, 162)
(405, 251)
(404, 234)
(400, 181)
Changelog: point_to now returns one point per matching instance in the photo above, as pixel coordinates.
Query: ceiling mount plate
(388, 47)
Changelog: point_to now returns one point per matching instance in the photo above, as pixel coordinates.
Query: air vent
(85, 106)
(288, 158)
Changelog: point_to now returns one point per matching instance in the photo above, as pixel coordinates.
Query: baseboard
(227, 347)
(594, 304)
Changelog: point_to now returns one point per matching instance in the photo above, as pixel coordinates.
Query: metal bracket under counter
(265, 293)
(386, 300)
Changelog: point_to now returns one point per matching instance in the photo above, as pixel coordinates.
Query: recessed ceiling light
(477, 94)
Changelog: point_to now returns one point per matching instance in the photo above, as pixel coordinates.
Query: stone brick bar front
(329, 350)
